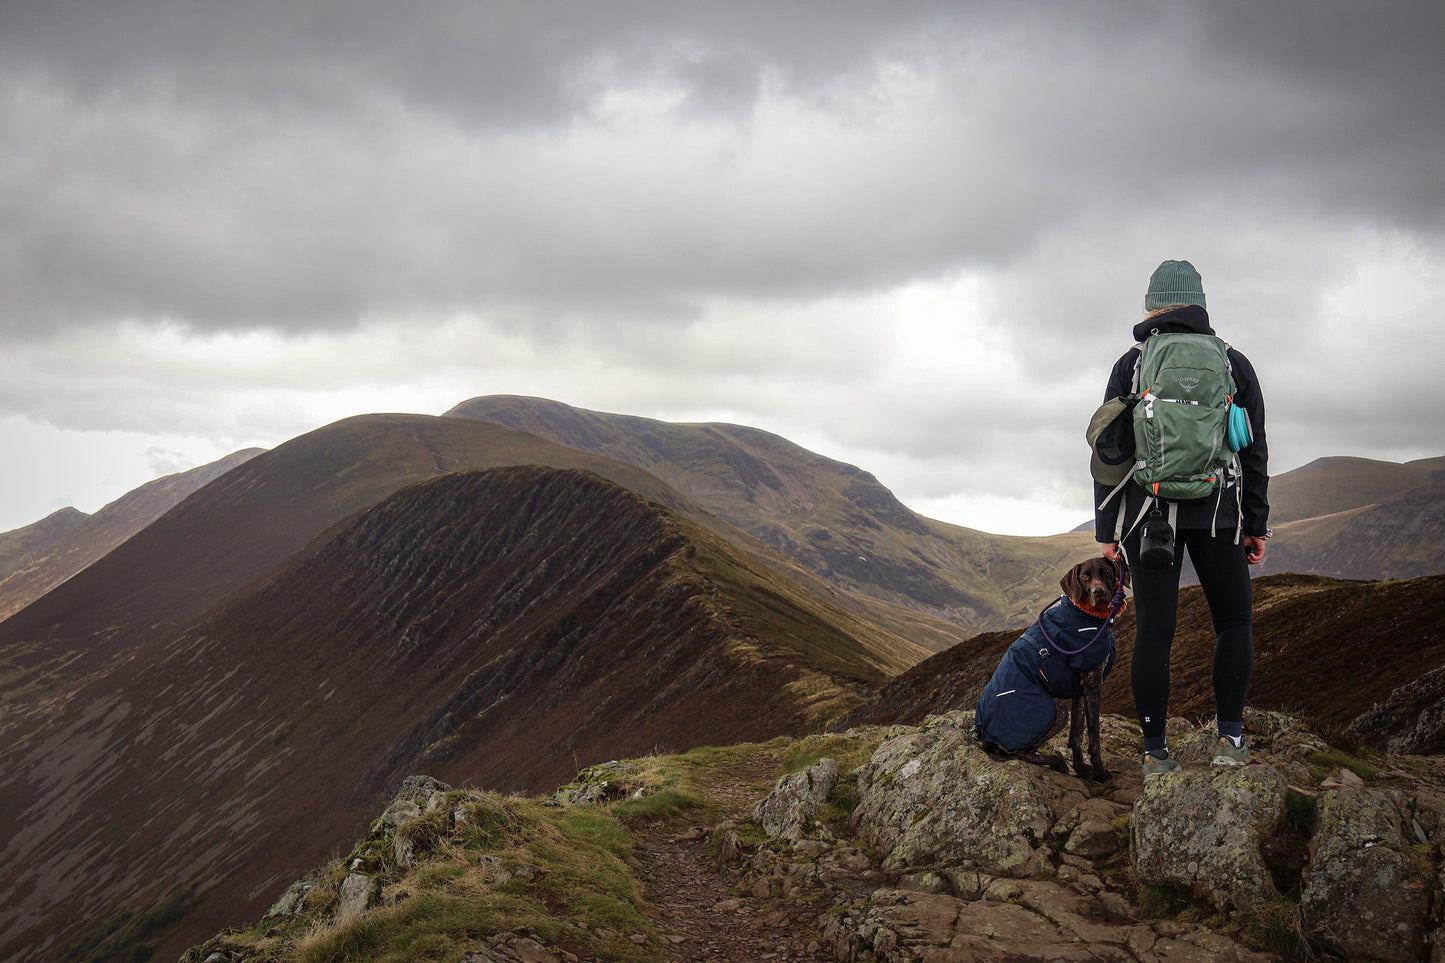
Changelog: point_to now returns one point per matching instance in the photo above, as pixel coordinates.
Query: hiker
(1224, 533)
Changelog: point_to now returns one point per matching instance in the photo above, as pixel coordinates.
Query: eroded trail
(701, 913)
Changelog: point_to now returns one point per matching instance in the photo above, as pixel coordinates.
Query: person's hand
(1111, 551)
(1253, 549)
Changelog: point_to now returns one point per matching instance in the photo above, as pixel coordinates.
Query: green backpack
(1185, 387)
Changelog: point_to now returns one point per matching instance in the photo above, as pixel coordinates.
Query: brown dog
(1065, 655)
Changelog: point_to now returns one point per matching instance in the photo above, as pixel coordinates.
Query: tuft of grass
(487, 820)
(1164, 901)
(1326, 762)
(596, 826)
(656, 805)
(1277, 929)
(849, 752)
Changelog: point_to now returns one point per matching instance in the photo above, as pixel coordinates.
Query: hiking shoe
(1158, 765)
(1226, 753)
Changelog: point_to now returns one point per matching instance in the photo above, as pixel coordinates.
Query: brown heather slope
(95, 535)
(1325, 650)
(498, 629)
(833, 518)
(256, 516)
(244, 524)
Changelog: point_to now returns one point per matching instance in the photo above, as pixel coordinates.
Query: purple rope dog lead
(1115, 607)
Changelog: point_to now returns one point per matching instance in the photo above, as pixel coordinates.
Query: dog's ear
(1072, 584)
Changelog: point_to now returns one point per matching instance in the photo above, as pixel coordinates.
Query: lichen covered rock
(417, 795)
(784, 813)
(601, 783)
(934, 797)
(359, 893)
(1203, 830)
(1367, 890)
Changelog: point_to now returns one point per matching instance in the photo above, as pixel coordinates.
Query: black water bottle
(1156, 542)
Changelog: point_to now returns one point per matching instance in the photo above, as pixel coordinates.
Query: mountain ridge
(91, 537)
(1338, 483)
(334, 579)
(837, 522)
(251, 519)
(20, 546)
(503, 624)
(832, 517)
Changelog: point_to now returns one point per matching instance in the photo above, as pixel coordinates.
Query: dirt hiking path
(700, 913)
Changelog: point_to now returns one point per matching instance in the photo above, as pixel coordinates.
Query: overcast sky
(909, 235)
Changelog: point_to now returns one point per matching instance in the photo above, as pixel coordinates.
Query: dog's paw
(1056, 763)
(1096, 773)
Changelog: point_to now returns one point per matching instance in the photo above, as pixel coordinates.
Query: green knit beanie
(1174, 282)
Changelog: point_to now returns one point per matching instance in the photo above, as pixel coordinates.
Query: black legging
(1224, 576)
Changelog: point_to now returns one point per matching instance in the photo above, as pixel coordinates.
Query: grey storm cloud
(305, 165)
(910, 234)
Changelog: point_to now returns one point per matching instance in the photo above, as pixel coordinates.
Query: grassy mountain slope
(1330, 485)
(1356, 518)
(106, 529)
(498, 628)
(19, 546)
(833, 518)
(1402, 536)
(1325, 649)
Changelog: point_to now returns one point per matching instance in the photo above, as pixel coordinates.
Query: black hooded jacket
(1200, 513)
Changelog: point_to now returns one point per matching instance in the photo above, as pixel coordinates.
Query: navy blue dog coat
(1016, 709)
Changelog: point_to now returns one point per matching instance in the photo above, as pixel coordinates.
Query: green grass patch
(850, 752)
(656, 805)
(428, 926)
(507, 865)
(1324, 763)
(596, 826)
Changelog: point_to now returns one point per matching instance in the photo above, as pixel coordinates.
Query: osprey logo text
(1189, 382)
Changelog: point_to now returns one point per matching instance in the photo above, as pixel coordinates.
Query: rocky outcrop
(413, 824)
(959, 856)
(1204, 831)
(1017, 920)
(512, 948)
(601, 783)
(787, 810)
(1369, 888)
(1421, 699)
(924, 849)
(932, 796)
